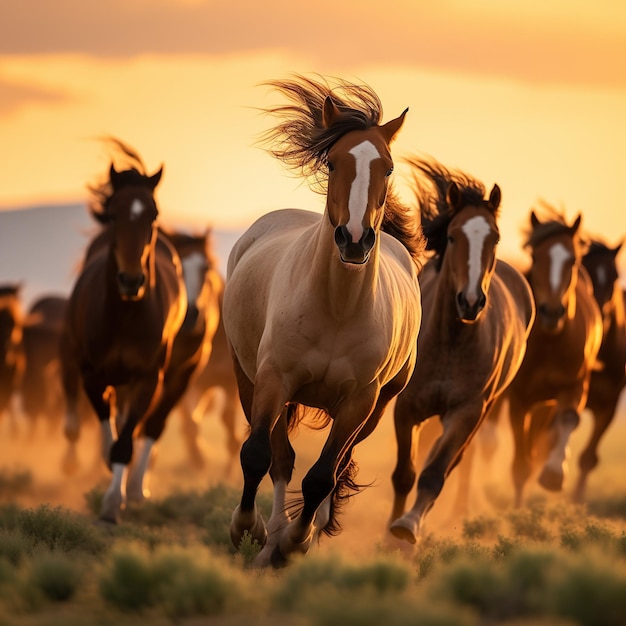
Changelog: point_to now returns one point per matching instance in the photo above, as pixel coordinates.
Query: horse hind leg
(552, 475)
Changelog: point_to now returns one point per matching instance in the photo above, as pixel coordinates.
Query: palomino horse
(11, 346)
(201, 399)
(478, 311)
(124, 312)
(550, 389)
(191, 349)
(321, 310)
(608, 376)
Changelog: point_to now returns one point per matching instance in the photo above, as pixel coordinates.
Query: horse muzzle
(354, 253)
(467, 311)
(550, 319)
(131, 286)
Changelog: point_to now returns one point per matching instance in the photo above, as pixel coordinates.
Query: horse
(12, 361)
(608, 376)
(321, 311)
(477, 314)
(551, 387)
(200, 398)
(124, 312)
(191, 349)
(40, 392)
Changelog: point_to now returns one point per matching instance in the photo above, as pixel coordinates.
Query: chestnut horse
(124, 312)
(191, 349)
(321, 311)
(608, 375)
(11, 347)
(551, 387)
(478, 311)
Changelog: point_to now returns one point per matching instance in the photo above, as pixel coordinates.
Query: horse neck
(343, 288)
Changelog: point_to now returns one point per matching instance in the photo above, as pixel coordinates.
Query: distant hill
(41, 247)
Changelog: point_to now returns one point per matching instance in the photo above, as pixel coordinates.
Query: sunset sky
(529, 95)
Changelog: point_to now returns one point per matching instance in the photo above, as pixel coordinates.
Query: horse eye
(450, 239)
(330, 166)
(389, 173)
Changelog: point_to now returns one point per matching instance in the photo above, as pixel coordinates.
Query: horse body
(477, 312)
(124, 312)
(608, 376)
(321, 311)
(551, 387)
(12, 361)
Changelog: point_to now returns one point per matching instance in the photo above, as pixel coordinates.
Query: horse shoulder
(519, 288)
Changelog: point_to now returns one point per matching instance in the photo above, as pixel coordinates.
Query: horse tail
(316, 419)
(345, 488)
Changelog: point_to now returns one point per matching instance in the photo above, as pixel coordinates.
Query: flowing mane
(301, 141)
(430, 184)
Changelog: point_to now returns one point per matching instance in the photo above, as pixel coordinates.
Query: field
(171, 561)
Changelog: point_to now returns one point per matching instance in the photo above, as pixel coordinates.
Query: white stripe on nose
(192, 266)
(136, 209)
(558, 255)
(364, 154)
(476, 230)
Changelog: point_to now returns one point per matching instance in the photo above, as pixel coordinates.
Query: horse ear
(113, 177)
(391, 128)
(453, 196)
(494, 198)
(617, 248)
(155, 178)
(534, 220)
(576, 225)
(330, 112)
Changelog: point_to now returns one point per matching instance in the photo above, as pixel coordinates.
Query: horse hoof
(551, 479)
(402, 529)
(251, 523)
(106, 521)
(277, 559)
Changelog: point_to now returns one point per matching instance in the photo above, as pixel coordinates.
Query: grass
(171, 562)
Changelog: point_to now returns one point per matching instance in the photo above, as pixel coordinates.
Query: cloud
(567, 48)
(16, 95)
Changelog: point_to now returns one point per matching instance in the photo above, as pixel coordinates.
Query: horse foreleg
(458, 429)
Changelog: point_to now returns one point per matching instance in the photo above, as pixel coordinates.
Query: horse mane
(596, 246)
(553, 223)
(132, 172)
(300, 139)
(179, 238)
(402, 223)
(430, 183)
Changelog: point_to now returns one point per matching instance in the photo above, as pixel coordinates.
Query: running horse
(608, 376)
(191, 349)
(477, 314)
(124, 312)
(551, 387)
(321, 310)
(12, 361)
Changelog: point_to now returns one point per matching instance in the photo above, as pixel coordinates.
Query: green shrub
(56, 575)
(128, 583)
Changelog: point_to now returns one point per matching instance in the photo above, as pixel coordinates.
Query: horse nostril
(368, 239)
(482, 300)
(461, 301)
(342, 236)
(129, 282)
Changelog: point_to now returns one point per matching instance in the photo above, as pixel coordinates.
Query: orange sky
(531, 97)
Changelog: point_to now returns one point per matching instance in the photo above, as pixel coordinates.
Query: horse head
(359, 166)
(600, 261)
(131, 215)
(472, 238)
(556, 257)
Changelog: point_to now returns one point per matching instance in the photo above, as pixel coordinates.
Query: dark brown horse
(608, 376)
(11, 346)
(551, 387)
(191, 349)
(321, 310)
(478, 311)
(124, 312)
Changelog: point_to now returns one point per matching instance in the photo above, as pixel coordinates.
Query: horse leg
(458, 429)
(230, 414)
(263, 403)
(321, 479)
(138, 404)
(70, 380)
(565, 421)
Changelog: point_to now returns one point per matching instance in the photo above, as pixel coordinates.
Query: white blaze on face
(193, 275)
(136, 209)
(558, 255)
(476, 230)
(363, 154)
(601, 276)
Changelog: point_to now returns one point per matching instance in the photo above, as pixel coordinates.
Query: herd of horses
(329, 318)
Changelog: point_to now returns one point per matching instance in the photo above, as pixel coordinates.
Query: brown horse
(201, 395)
(191, 349)
(124, 312)
(608, 375)
(550, 389)
(321, 310)
(11, 346)
(478, 311)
